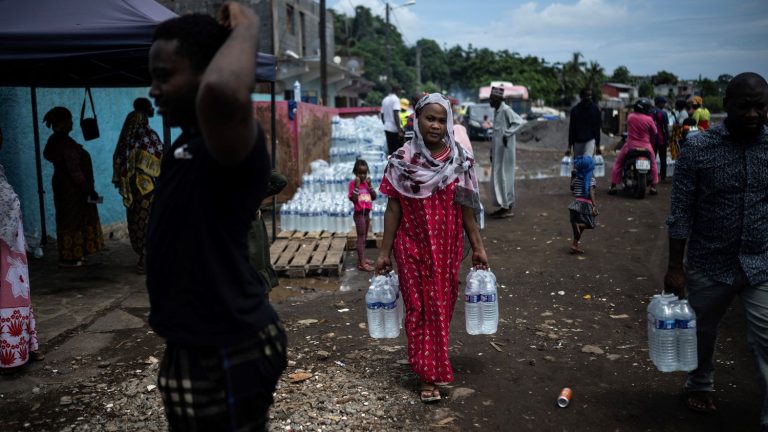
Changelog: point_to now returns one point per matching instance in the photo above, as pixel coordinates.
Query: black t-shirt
(202, 289)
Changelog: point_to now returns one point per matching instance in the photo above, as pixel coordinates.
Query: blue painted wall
(18, 153)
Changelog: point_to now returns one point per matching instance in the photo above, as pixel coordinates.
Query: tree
(572, 78)
(722, 82)
(595, 76)
(363, 36)
(433, 64)
(621, 75)
(724, 79)
(664, 77)
(709, 87)
(463, 70)
(645, 89)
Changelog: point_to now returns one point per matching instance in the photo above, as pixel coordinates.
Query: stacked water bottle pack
(384, 306)
(321, 202)
(566, 165)
(672, 334)
(599, 166)
(481, 302)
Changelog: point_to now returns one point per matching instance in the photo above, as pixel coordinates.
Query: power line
(401, 33)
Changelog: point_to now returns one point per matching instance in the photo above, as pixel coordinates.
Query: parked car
(473, 121)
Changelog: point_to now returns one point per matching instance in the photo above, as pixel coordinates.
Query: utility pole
(389, 51)
(418, 68)
(323, 56)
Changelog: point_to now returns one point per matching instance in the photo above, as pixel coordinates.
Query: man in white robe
(506, 123)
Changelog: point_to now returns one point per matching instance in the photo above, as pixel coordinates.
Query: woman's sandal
(653, 191)
(366, 267)
(36, 356)
(700, 401)
(429, 393)
(575, 250)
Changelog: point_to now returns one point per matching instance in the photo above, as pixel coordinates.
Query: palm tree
(595, 74)
(572, 77)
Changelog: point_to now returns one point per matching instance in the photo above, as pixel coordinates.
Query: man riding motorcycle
(640, 132)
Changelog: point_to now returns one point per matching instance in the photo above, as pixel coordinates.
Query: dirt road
(554, 306)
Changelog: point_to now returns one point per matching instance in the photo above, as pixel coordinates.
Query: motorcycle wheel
(641, 185)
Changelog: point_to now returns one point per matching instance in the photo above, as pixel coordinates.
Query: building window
(303, 29)
(289, 27)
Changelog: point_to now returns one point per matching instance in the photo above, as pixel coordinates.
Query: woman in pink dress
(18, 337)
(640, 131)
(433, 200)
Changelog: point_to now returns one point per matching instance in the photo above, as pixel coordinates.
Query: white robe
(506, 123)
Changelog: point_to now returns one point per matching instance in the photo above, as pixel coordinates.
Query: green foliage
(724, 79)
(621, 75)
(709, 88)
(373, 98)
(645, 89)
(664, 77)
(430, 87)
(713, 103)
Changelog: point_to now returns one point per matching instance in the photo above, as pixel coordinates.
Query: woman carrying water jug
(433, 199)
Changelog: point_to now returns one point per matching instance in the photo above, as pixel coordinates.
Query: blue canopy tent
(86, 43)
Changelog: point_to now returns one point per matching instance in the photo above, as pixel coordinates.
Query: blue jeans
(710, 300)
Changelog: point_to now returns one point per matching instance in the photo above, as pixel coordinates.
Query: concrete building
(290, 29)
(673, 91)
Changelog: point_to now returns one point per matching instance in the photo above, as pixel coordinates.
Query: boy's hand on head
(232, 15)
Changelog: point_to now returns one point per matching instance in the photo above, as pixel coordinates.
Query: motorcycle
(635, 172)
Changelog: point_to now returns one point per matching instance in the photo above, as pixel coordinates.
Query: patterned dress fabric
(18, 337)
(428, 250)
(136, 164)
(78, 228)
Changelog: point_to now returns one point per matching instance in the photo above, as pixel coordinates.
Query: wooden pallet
(295, 254)
(373, 240)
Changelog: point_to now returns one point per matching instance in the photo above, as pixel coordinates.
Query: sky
(704, 38)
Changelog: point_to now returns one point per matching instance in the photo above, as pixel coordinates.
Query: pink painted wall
(299, 141)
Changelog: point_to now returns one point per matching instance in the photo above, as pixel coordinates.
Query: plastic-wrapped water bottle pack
(321, 203)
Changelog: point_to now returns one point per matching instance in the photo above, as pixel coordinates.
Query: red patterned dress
(428, 250)
(18, 337)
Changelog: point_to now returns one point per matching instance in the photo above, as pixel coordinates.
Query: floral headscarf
(10, 211)
(414, 173)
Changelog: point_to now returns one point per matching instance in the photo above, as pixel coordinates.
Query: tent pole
(274, 155)
(39, 169)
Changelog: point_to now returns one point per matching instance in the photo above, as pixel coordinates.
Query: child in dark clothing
(362, 194)
(582, 209)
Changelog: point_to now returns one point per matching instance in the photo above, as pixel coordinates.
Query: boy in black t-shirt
(225, 347)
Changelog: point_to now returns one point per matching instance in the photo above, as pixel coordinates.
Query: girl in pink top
(362, 194)
(640, 129)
